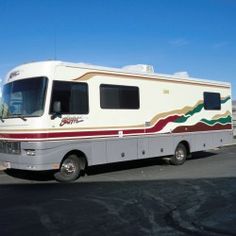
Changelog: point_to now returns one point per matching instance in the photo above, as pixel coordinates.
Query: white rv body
(161, 112)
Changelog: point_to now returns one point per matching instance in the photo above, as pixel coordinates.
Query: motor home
(65, 117)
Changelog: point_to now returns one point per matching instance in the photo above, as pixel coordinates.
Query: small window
(212, 101)
(73, 97)
(119, 97)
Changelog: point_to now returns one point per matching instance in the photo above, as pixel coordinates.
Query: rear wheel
(69, 170)
(180, 155)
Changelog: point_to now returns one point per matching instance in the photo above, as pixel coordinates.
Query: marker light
(30, 152)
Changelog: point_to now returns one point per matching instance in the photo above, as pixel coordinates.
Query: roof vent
(182, 74)
(139, 68)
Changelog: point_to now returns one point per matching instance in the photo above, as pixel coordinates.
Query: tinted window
(119, 97)
(73, 97)
(212, 101)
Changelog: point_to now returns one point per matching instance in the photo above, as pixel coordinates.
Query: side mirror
(56, 110)
(57, 107)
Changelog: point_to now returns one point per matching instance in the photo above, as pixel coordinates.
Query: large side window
(119, 97)
(212, 101)
(73, 97)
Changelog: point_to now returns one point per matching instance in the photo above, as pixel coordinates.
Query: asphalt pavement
(147, 197)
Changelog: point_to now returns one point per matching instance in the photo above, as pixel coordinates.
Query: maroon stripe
(158, 126)
(162, 123)
(201, 127)
(57, 135)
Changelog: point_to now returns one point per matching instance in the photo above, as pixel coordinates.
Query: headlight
(10, 147)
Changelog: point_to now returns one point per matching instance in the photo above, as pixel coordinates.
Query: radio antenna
(55, 43)
(54, 36)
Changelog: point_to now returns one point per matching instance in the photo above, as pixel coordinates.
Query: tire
(180, 155)
(69, 170)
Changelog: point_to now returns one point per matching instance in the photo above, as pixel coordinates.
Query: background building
(234, 116)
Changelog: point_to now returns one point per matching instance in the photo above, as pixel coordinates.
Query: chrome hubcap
(68, 168)
(179, 154)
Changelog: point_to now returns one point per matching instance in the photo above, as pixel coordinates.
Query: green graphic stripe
(225, 100)
(185, 117)
(195, 110)
(223, 120)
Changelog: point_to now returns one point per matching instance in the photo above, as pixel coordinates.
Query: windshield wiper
(20, 116)
(2, 108)
(2, 119)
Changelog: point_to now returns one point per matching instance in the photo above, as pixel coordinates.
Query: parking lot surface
(148, 197)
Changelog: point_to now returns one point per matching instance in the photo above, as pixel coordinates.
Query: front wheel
(180, 155)
(69, 169)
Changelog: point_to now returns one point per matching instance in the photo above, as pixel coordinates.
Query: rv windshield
(24, 98)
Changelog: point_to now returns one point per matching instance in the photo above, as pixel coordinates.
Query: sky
(197, 36)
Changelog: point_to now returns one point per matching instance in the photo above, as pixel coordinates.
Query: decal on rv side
(71, 120)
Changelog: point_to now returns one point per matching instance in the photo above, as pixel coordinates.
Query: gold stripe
(75, 129)
(182, 111)
(218, 116)
(89, 75)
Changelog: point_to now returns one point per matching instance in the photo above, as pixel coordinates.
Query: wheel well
(187, 146)
(81, 156)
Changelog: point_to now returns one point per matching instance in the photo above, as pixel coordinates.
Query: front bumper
(26, 163)
(17, 156)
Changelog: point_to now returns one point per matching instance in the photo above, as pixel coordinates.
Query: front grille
(10, 147)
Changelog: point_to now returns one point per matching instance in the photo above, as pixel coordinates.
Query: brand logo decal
(71, 120)
(14, 74)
